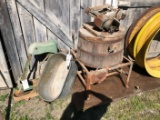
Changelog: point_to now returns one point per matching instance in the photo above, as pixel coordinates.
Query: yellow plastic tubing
(142, 43)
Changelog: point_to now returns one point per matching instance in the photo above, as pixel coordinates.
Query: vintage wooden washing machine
(101, 47)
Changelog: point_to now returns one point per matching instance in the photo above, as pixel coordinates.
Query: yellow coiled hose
(140, 37)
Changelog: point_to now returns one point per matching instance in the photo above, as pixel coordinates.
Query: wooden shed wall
(5, 80)
(28, 21)
(133, 13)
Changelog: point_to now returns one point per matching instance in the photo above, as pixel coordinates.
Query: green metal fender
(44, 47)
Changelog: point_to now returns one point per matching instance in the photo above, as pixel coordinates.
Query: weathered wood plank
(146, 3)
(5, 79)
(115, 3)
(9, 41)
(40, 29)
(60, 9)
(75, 24)
(97, 2)
(131, 15)
(27, 25)
(108, 2)
(50, 35)
(52, 10)
(2, 82)
(19, 40)
(54, 26)
(28, 29)
(61, 45)
(84, 16)
(38, 4)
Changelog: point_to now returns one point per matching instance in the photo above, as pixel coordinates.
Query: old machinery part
(37, 49)
(140, 37)
(143, 40)
(95, 76)
(100, 49)
(137, 25)
(146, 33)
(98, 76)
(19, 95)
(52, 83)
(34, 49)
(106, 18)
(44, 47)
(69, 80)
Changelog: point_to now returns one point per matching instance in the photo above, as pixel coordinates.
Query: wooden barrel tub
(99, 49)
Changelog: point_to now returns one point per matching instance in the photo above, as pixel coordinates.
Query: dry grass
(144, 106)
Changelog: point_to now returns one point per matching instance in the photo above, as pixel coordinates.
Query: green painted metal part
(44, 47)
(37, 49)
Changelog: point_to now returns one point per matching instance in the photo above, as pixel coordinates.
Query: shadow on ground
(8, 110)
(71, 112)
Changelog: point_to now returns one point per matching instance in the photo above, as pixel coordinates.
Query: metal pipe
(82, 65)
(81, 78)
(129, 74)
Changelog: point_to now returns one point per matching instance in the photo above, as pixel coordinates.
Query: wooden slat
(146, 3)
(52, 10)
(108, 2)
(9, 41)
(54, 26)
(19, 40)
(61, 45)
(84, 16)
(40, 29)
(75, 20)
(38, 4)
(60, 9)
(50, 35)
(28, 29)
(131, 15)
(5, 79)
(27, 25)
(97, 2)
(115, 3)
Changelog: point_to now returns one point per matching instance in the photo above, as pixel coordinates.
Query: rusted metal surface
(90, 33)
(99, 75)
(114, 88)
(95, 52)
(19, 95)
(98, 8)
(105, 17)
(56, 79)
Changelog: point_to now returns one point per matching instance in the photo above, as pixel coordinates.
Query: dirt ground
(142, 106)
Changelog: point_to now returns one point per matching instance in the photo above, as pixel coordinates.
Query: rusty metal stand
(98, 76)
